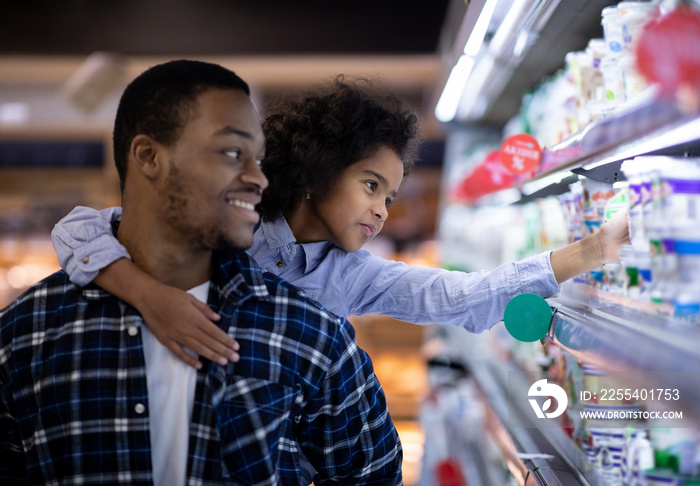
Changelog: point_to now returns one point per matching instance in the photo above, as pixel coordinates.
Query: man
(88, 394)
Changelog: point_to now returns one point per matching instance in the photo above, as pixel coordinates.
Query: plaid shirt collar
(237, 278)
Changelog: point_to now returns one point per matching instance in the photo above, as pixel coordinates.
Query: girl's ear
(146, 154)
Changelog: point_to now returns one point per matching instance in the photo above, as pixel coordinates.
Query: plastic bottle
(643, 259)
(633, 18)
(638, 258)
(614, 271)
(686, 305)
(669, 263)
(633, 83)
(612, 81)
(578, 228)
(632, 285)
(652, 218)
(596, 50)
(639, 457)
(612, 30)
(596, 196)
(633, 173)
(675, 449)
(680, 179)
(680, 188)
(568, 211)
(609, 68)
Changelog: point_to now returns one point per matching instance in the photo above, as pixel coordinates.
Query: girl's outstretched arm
(88, 250)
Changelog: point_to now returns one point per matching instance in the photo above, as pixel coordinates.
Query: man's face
(215, 179)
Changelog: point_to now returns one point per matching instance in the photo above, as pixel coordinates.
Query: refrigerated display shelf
(653, 127)
(607, 331)
(577, 329)
(618, 334)
(548, 454)
(598, 328)
(656, 124)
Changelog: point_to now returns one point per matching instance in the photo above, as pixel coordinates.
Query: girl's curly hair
(313, 138)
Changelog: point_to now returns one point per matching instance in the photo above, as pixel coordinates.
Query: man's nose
(254, 175)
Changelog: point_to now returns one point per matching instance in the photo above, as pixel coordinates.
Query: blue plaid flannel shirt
(75, 407)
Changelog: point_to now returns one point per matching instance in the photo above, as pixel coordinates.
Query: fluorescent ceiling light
(474, 87)
(476, 38)
(449, 99)
(13, 113)
(522, 42)
(507, 26)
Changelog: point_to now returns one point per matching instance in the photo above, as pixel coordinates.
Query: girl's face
(355, 208)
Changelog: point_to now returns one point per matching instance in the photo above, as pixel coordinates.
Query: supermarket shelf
(651, 127)
(629, 328)
(514, 435)
(550, 29)
(608, 331)
(619, 334)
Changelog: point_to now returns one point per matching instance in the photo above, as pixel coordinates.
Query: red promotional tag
(668, 51)
(521, 153)
(487, 177)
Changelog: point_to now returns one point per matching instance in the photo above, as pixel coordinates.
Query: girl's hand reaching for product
(613, 234)
(593, 250)
(178, 319)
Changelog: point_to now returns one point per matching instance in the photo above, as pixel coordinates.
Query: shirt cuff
(537, 276)
(89, 259)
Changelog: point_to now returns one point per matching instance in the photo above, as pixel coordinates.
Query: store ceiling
(276, 45)
(221, 27)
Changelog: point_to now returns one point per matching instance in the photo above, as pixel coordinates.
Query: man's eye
(234, 154)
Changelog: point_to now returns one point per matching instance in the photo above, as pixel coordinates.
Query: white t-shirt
(171, 385)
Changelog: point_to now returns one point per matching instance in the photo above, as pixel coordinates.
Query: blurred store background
(477, 71)
(63, 66)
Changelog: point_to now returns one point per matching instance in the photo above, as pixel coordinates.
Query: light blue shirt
(345, 283)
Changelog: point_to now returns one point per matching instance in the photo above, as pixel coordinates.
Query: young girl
(335, 160)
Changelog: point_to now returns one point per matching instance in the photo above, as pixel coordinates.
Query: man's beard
(194, 230)
(225, 244)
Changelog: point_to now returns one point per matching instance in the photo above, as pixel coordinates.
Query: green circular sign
(527, 317)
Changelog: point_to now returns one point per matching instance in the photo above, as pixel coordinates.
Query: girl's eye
(259, 161)
(388, 201)
(234, 154)
(372, 185)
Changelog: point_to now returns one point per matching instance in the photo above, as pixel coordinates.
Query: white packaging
(612, 30)
(633, 83)
(633, 173)
(612, 81)
(633, 17)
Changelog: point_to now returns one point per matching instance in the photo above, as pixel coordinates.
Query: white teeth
(241, 204)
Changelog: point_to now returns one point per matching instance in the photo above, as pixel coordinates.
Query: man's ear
(147, 154)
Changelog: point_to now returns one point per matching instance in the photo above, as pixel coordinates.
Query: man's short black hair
(159, 102)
